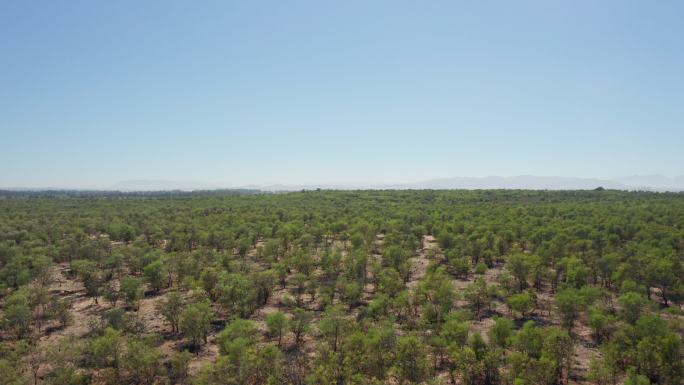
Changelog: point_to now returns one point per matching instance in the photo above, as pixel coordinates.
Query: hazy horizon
(532, 182)
(235, 94)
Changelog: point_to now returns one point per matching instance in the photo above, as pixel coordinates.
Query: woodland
(484, 287)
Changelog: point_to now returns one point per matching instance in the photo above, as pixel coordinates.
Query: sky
(232, 93)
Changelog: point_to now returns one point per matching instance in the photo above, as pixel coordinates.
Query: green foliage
(277, 324)
(237, 338)
(436, 292)
(360, 255)
(480, 268)
(521, 303)
(105, 351)
(195, 321)
(154, 273)
(333, 325)
(411, 362)
(9, 374)
(519, 265)
(131, 289)
(89, 273)
(478, 294)
(180, 365)
(18, 313)
(501, 332)
(632, 305)
(300, 323)
(141, 362)
(454, 331)
(171, 308)
(570, 303)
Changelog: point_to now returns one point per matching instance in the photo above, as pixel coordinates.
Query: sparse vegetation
(357, 287)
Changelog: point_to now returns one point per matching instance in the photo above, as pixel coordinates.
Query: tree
(478, 295)
(263, 285)
(521, 303)
(154, 273)
(529, 340)
(351, 293)
(89, 273)
(210, 279)
(180, 363)
(501, 332)
(106, 351)
(300, 323)
(131, 290)
(379, 346)
(632, 305)
(142, 362)
(558, 348)
(332, 325)
(9, 374)
(195, 321)
(17, 313)
(467, 366)
(519, 266)
(171, 309)
(299, 282)
(411, 359)
(255, 366)
(570, 304)
(663, 273)
(235, 340)
(59, 309)
(454, 331)
(602, 324)
(634, 378)
(436, 292)
(277, 324)
(390, 282)
(239, 295)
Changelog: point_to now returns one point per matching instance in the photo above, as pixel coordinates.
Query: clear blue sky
(231, 93)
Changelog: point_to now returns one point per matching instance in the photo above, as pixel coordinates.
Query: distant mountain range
(531, 182)
(653, 181)
(161, 185)
(637, 182)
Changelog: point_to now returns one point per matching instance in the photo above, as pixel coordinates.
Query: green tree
(454, 331)
(411, 359)
(558, 347)
(300, 323)
(570, 304)
(90, 274)
(131, 289)
(333, 325)
(195, 321)
(520, 303)
(501, 332)
(142, 362)
(237, 338)
(171, 308)
(18, 313)
(351, 293)
(277, 324)
(519, 266)
(632, 306)
(180, 365)
(155, 274)
(478, 295)
(106, 351)
(9, 375)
